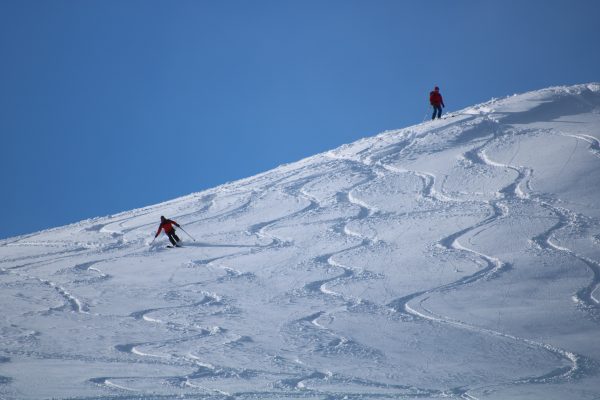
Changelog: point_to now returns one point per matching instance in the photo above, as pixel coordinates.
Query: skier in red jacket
(437, 102)
(167, 225)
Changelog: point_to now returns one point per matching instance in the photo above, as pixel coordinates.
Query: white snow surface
(458, 258)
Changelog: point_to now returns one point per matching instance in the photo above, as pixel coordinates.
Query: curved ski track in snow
(494, 266)
(373, 163)
(72, 302)
(518, 189)
(260, 230)
(585, 296)
(348, 273)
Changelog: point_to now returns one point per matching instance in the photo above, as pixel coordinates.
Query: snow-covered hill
(459, 258)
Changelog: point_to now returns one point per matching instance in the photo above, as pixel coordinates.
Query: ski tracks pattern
(369, 163)
(518, 190)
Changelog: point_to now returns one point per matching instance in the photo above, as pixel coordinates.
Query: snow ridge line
(374, 150)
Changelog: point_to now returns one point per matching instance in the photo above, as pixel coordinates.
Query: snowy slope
(459, 258)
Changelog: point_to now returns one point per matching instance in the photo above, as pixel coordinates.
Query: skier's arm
(175, 223)
(158, 231)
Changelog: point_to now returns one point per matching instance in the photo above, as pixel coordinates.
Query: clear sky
(110, 105)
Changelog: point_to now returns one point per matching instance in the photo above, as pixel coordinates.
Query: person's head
(437, 89)
(162, 218)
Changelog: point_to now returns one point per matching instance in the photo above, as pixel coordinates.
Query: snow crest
(458, 258)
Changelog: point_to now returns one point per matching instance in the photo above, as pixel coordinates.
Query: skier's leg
(434, 111)
(176, 237)
(171, 239)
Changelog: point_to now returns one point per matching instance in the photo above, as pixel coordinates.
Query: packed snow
(458, 258)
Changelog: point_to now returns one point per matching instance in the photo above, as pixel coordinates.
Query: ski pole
(187, 234)
(427, 113)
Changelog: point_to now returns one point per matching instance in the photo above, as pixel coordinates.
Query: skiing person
(167, 225)
(437, 102)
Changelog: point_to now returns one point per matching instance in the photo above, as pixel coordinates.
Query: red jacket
(435, 98)
(167, 225)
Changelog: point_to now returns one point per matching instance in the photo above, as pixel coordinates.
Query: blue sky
(110, 105)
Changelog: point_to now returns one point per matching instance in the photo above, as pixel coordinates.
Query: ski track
(260, 230)
(71, 302)
(584, 297)
(374, 165)
(493, 266)
(594, 147)
(348, 273)
(339, 342)
(366, 211)
(87, 267)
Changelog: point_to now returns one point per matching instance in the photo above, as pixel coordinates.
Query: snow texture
(458, 258)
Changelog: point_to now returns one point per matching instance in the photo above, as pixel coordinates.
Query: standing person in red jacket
(437, 102)
(167, 225)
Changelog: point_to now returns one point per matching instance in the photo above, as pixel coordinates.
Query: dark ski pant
(437, 109)
(173, 238)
